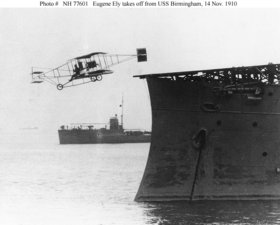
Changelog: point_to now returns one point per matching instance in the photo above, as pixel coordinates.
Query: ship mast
(122, 113)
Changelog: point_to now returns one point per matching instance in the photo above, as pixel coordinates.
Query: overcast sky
(176, 40)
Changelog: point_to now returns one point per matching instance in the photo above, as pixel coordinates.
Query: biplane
(83, 69)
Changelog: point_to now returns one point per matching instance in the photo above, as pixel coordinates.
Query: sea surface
(44, 183)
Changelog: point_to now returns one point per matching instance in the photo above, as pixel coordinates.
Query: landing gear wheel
(99, 77)
(59, 87)
(93, 79)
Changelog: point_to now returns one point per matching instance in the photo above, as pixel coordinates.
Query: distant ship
(28, 128)
(88, 134)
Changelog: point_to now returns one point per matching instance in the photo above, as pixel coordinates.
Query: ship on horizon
(87, 133)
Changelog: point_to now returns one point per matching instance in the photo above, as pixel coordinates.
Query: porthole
(219, 122)
(264, 154)
(255, 124)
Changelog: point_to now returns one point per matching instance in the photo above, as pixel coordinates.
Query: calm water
(43, 183)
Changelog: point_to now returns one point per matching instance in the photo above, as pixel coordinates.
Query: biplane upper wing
(87, 56)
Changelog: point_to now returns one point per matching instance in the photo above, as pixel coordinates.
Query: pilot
(76, 72)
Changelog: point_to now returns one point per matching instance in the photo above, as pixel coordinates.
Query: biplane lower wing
(100, 72)
(93, 74)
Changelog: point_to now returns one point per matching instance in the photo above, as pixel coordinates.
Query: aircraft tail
(141, 55)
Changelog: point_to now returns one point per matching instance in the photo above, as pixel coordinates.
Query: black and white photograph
(139, 113)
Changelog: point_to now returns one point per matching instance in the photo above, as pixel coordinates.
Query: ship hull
(226, 151)
(93, 137)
